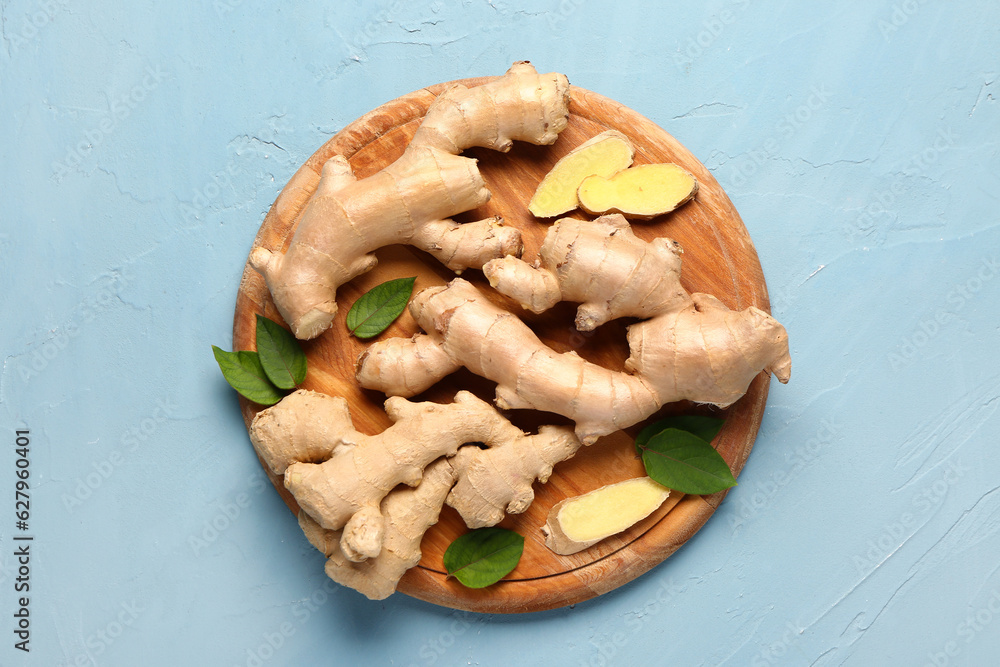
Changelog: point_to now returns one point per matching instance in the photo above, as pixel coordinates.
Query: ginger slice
(603, 155)
(582, 521)
(642, 192)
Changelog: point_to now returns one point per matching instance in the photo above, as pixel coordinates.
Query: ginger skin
(626, 278)
(411, 200)
(492, 482)
(337, 496)
(692, 347)
(409, 513)
(354, 489)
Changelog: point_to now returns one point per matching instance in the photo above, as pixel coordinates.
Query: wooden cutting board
(719, 259)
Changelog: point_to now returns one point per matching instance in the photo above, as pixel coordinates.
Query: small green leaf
(705, 428)
(244, 373)
(684, 462)
(379, 307)
(484, 556)
(283, 360)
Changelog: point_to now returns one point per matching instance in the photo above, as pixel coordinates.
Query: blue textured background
(142, 143)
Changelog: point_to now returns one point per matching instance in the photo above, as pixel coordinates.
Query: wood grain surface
(719, 259)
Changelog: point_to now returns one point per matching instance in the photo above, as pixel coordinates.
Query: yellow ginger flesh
(582, 521)
(642, 192)
(603, 155)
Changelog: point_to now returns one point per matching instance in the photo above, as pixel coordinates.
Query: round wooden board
(720, 259)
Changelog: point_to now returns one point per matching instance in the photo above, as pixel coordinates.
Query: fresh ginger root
(603, 155)
(496, 344)
(354, 489)
(411, 200)
(641, 192)
(492, 482)
(409, 513)
(342, 484)
(692, 347)
(612, 273)
(582, 521)
(480, 484)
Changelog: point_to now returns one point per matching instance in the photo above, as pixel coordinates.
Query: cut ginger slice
(603, 155)
(642, 192)
(577, 523)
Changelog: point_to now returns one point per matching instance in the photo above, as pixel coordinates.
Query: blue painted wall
(142, 143)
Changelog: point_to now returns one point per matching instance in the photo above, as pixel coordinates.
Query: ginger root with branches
(411, 200)
(353, 488)
(409, 512)
(692, 347)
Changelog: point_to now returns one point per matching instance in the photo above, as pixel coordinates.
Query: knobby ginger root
(582, 521)
(411, 200)
(342, 485)
(692, 347)
(603, 155)
(612, 273)
(409, 513)
(493, 481)
(354, 489)
(642, 192)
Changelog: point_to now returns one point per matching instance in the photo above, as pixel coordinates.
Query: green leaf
(684, 462)
(281, 356)
(705, 428)
(379, 307)
(484, 556)
(244, 373)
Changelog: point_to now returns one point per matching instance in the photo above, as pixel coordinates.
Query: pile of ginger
(367, 500)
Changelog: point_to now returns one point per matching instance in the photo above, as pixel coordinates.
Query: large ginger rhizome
(690, 346)
(354, 490)
(412, 200)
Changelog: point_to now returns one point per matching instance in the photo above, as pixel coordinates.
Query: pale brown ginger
(692, 347)
(411, 200)
(354, 489)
